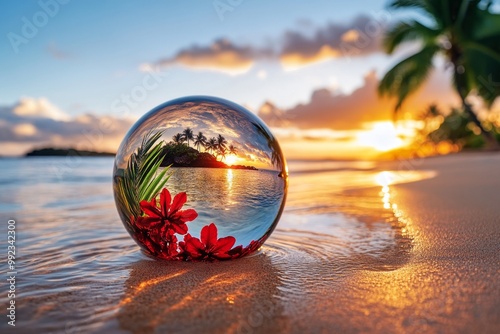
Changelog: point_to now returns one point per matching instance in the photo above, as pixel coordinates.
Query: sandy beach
(361, 250)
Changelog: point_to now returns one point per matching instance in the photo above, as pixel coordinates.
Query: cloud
(25, 129)
(33, 122)
(330, 110)
(359, 37)
(221, 55)
(37, 108)
(294, 48)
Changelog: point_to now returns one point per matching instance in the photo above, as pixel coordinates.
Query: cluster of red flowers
(158, 227)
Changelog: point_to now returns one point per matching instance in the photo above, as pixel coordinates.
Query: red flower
(158, 242)
(168, 217)
(240, 251)
(209, 247)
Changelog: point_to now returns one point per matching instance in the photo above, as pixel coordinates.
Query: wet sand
(349, 255)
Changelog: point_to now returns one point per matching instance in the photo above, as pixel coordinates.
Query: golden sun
(383, 136)
(230, 160)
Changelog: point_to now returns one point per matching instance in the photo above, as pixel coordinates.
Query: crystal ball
(199, 179)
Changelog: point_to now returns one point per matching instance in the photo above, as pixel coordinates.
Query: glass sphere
(199, 179)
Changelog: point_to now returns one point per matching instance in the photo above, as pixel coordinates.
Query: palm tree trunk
(491, 141)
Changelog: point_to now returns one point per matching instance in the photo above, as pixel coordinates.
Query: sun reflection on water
(385, 178)
(229, 185)
(229, 178)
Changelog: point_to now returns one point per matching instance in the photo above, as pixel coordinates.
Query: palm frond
(408, 31)
(406, 76)
(141, 179)
(432, 8)
(409, 4)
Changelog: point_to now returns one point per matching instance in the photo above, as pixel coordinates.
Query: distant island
(178, 153)
(181, 155)
(63, 152)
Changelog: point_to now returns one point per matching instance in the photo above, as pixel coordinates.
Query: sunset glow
(230, 159)
(383, 136)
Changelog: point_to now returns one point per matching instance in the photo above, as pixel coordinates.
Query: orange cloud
(296, 60)
(359, 37)
(221, 55)
(25, 129)
(350, 36)
(294, 48)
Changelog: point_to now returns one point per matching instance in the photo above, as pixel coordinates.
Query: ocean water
(79, 271)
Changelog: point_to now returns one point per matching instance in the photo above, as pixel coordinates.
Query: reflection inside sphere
(200, 178)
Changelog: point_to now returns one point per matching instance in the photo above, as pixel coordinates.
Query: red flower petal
(223, 245)
(150, 208)
(178, 202)
(193, 246)
(236, 251)
(209, 235)
(186, 215)
(165, 199)
(172, 245)
(146, 222)
(180, 228)
(156, 236)
(145, 241)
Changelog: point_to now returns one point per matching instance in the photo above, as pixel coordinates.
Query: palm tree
(222, 151)
(466, 33)
(221, 141)
(187, 134)
(232, 149)
(212, 144)
(276, 156)
(178, 138)
(200, 140)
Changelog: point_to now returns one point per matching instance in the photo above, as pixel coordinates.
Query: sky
(80, 73)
